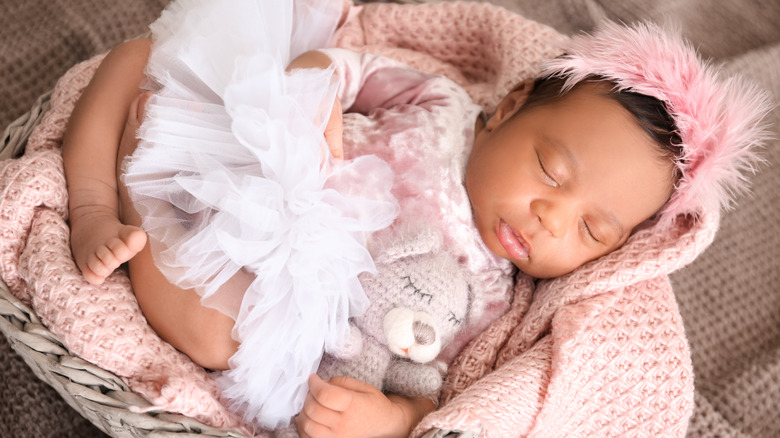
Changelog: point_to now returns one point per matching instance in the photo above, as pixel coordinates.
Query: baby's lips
(512, 242)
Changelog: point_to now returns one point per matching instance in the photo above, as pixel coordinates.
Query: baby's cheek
(554, 260)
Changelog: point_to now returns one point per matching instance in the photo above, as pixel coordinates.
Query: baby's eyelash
(588, 230)
(547, 176)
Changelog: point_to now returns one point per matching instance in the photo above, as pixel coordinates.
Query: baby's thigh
(177, 315)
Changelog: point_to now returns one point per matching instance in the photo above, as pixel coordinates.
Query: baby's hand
(346, 407)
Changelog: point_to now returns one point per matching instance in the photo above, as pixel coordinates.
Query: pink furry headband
(719, 121)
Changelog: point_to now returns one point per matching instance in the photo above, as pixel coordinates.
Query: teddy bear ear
(420, 241)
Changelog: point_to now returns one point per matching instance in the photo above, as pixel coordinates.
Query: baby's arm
(334, 128)
(343, 406)
(100, 242)
(346, 407)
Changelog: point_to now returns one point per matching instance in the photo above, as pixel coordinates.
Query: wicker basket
(95, 393)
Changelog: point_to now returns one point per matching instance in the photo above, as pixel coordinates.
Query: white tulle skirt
(230, 182)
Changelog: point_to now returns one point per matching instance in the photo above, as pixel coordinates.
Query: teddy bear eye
(416, 291)
(452, 318)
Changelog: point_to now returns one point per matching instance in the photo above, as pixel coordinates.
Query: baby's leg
(177, 315)
(98, 124)
(99, 240)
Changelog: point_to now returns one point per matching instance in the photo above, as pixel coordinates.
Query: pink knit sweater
(598, 352)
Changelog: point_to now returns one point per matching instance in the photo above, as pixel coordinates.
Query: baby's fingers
(316, 420)
(311, 429)
(328, 395)
(322, 409)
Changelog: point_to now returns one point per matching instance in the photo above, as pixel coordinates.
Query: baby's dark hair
(649, 112)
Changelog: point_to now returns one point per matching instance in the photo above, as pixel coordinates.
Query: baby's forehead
(591, 92)
(604, 155)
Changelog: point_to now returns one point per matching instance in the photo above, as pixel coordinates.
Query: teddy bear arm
(413, 379)
(370, 366)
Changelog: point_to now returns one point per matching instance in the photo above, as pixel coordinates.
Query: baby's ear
(510, 104)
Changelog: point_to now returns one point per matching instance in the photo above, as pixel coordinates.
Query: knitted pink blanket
(493, 51)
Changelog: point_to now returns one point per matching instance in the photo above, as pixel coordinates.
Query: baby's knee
(178, 316)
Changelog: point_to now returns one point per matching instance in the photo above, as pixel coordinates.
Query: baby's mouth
(512, 242)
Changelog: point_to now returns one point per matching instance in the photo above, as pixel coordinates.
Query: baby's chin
(531, 267)
(543, 271)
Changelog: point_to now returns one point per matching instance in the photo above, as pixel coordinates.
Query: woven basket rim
(17, 132)
(97, 394)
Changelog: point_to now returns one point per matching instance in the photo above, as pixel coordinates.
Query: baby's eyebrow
(614, 224)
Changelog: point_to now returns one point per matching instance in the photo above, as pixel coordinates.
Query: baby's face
(563, 183)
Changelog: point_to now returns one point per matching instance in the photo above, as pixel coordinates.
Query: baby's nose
(554, 216)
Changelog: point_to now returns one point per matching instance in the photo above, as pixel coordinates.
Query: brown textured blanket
(729, 297)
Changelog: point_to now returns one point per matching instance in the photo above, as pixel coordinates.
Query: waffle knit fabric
(103, 324)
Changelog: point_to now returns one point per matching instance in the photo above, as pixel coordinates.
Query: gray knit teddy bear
(419, 299)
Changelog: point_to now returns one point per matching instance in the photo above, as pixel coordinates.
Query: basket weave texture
(96, 394)
(730, 304)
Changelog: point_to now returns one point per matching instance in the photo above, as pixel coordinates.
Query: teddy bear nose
(411, 334)
(424, 334)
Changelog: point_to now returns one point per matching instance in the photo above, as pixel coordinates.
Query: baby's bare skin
(105, 228)
(102, 244)
(100, 241)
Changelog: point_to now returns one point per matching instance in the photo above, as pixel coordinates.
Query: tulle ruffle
(230, 181)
